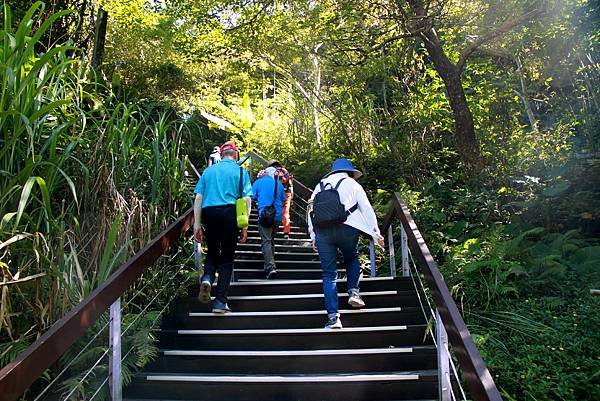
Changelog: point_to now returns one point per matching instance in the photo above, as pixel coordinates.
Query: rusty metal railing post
(114, 367)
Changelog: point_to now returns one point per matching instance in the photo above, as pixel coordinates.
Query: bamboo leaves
(77, 166)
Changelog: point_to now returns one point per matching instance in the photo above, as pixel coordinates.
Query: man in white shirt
(327, 240)
(214, 157)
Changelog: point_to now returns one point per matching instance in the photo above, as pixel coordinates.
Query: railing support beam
(392, 252)
(444, 384)
(198, 259)
(114, 373)
(404, 247)
(372, 258)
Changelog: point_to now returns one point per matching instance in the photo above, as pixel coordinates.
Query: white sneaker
(334, 322)
(354, 299)
(204, 294)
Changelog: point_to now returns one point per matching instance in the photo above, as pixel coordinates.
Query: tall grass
(85, 179)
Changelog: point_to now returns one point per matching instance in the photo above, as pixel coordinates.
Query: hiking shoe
(333, 322)
(270, 272)
(354, 299)
(220, 307)
(286, 236)
(204, 294)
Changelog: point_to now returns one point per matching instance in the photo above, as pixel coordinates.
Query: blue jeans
(328, 241)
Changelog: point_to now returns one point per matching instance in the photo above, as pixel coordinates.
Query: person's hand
(198, 234)
(379, 240)
(243, 235)
(314, 246)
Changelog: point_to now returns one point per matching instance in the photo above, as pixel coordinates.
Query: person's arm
(281, 193)
(198, 234)
(311, 230)
(255, 191)
(247, 195)
(369, 214)
(247, 191)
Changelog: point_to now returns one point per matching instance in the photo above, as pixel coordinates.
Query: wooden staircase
(273, 346)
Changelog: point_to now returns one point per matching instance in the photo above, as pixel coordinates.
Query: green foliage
(549, 353)
(306, 82)
(86, 178)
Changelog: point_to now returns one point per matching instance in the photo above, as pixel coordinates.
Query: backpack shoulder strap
(274, 190)
(339, 183)
(241, 179)
(352, 209)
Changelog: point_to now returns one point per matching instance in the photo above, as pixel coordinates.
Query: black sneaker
(270, 272)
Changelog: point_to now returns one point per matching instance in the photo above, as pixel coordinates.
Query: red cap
(229, 145)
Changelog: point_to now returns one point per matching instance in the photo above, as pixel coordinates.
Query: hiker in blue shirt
(215, 220)
(268, 198)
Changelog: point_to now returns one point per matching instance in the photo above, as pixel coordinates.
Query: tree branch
(251, 20)
(22, 280)
(505, 27)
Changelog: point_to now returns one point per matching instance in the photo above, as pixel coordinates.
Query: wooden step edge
(288, 353)
(300, 262)
(303, 296)
(247, 282)
(294, 313)
(291, 331)
(312, 254)
(303, 378)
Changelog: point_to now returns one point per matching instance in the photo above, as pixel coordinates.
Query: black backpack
(328, 210)
(267, 217)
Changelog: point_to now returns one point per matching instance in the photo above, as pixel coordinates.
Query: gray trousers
(267, 243)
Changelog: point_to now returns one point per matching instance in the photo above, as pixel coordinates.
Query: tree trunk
(524, 98)
(100, 38)
(466, 140)
(316, 92)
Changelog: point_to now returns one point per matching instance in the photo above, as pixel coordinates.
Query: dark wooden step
(294, 227)
(281, 287)
(281, 264)
(253, 232)
(295, 319)
(255, 239)
(279, 255)
(295, 339)
(294, 362)
(278, 248)
(375, 299)
(282, 274)
(334, 387)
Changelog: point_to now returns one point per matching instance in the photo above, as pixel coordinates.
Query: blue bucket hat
(340, 165)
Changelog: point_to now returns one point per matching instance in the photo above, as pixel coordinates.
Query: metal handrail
(476, 375)
(19, 374)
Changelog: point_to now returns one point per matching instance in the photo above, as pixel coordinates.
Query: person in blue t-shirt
(215, 220)
(263, 190)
